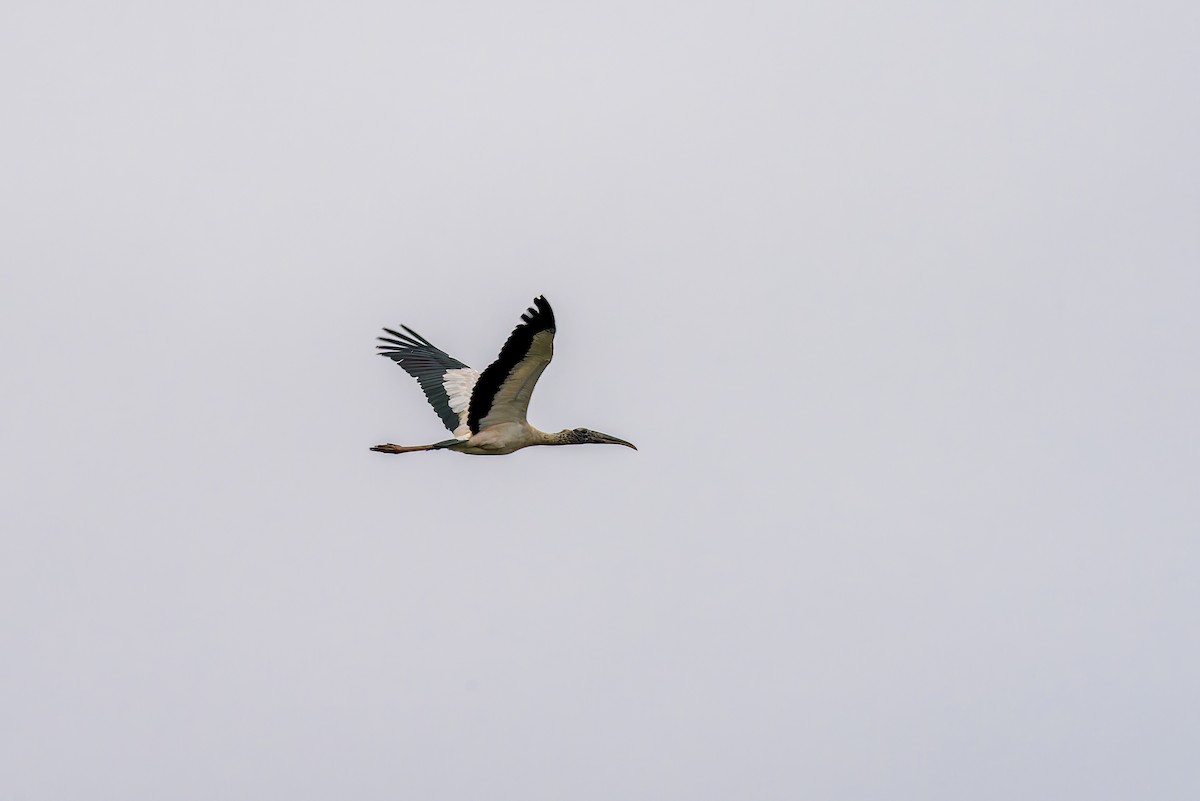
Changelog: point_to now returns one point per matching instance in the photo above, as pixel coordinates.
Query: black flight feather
(426, 363)
(539, 317)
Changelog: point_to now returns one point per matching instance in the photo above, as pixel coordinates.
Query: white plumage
(458, 385)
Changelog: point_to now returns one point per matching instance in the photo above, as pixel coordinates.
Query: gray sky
(898, 301)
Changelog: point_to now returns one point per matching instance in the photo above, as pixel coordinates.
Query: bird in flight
(486, 411)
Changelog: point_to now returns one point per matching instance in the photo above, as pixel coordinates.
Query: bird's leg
(390, 448)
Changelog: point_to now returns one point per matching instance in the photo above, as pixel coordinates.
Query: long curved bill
(605, 439)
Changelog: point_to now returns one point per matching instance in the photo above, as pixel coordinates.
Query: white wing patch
(458, 385)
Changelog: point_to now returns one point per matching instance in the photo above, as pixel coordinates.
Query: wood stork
(486, 411)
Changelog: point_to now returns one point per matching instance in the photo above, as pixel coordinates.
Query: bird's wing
(447, 382)
(501, 394)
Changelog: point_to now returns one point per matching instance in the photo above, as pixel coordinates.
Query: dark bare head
(583, 436)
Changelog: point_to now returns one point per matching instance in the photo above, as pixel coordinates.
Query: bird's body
(486, 411)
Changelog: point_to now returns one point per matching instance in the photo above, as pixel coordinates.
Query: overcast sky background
(897, 300)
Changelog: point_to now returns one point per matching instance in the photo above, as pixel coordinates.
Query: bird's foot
(390, 448)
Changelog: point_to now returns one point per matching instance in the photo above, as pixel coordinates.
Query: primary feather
(446, 382)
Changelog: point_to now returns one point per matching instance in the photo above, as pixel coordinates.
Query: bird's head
(583, 436)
